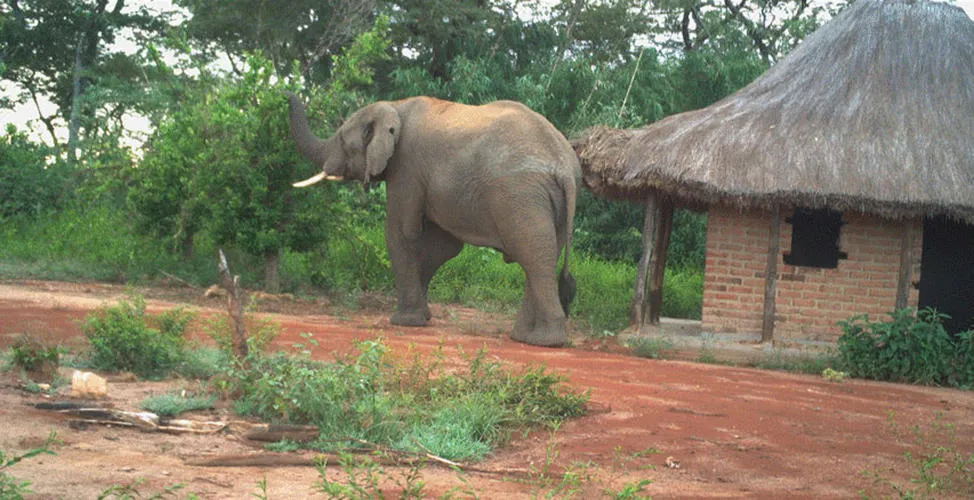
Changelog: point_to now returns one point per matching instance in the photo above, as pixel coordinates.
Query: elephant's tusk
(317, 178)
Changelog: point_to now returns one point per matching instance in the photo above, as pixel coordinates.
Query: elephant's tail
(566, 282)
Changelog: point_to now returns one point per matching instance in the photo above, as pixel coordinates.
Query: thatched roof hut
(874, 112)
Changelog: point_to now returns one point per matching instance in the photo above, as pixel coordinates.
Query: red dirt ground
(735, 432)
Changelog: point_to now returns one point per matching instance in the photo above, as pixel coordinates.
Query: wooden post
(771, 275)
(654, 300)
(906, 265)
(637, 313)
(238, 338)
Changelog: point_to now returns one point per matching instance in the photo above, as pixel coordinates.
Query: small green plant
(363, 477)
(911, 347)
(648, 347)
(174, 403)
(31, 355)
(131, 491)
(629, 490)
(124, 338)
(833, 375)
(12, 488)
(260, 333)
(939, 469)
(809, 363)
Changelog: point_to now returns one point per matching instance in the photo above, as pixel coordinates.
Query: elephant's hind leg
(439, 246)
(541, 320)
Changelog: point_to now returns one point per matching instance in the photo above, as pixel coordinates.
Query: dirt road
(734, 432)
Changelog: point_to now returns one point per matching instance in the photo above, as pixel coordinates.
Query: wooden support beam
(654, 300)
(905, 276)
(771, 275)
(636, 310)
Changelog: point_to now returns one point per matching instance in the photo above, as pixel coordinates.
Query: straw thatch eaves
(873, 112)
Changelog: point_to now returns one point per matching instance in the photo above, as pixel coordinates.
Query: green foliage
(911, 347)
(95, 243)
(30, 354)
(28, 185)
(124, 338)
(174, 403)
(363, 476)
(12, 488)
(371, 398)
(648, 347)
(812, 364)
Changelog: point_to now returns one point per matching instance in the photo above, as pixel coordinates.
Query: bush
(31, 187)
(911, 347)
(124, 338)
(31, 355)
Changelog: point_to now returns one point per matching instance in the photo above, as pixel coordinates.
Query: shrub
(31, 355)
(911, 347)
(124, 338)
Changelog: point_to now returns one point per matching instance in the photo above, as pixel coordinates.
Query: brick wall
(809, 301)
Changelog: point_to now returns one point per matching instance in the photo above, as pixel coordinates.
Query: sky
(25, 116)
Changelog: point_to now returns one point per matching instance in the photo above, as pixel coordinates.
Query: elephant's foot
(544, 334)
(410, 318)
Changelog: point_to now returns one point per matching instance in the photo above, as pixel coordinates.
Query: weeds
(910, 347)
(937, 467)
(648, 347)
(12, 488)
(174, 403)
(124, 338)
(363, 477)
(369, 398)
(31, 355)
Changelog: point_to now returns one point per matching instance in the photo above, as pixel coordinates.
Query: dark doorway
(947, 271)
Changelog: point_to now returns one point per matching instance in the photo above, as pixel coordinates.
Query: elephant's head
(359, 150)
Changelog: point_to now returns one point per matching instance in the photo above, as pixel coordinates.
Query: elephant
(497, 175)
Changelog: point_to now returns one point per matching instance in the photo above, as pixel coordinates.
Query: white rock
(88, 385)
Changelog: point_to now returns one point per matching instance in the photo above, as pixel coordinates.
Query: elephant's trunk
(309, 146)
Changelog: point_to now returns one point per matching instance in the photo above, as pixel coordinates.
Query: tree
(29, 185)
(60, 50)
(308, 31)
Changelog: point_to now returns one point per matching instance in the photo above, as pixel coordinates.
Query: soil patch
(694, 430)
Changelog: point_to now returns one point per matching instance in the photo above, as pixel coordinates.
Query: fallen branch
(176, 278)
(143, 420)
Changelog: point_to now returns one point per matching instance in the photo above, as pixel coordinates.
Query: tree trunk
(187, 248)
(74, 121)
(272, 275)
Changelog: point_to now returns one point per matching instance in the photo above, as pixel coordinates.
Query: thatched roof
(873, 112)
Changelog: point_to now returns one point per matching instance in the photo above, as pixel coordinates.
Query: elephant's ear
(380, 136)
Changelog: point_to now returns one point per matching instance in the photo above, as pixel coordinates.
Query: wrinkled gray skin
(497, 175)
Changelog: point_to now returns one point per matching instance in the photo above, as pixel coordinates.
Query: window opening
(815, 238)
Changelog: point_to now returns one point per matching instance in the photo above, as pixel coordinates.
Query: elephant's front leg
(404, 243)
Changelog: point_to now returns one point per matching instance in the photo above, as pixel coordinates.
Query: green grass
(377, 399)
(98, 243)
(174, 403)
(647, 347)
